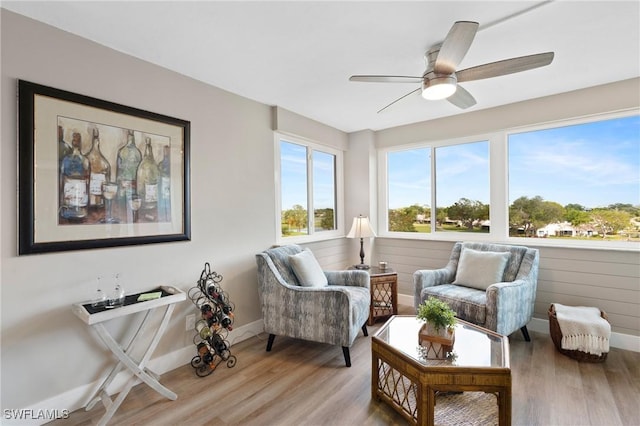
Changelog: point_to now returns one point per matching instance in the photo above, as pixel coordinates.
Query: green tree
(468, 211)
(610, 221)
(575, 216)
(550, 212)
(631, 209)
(530, 214)
(295, 218)
(441, 215)
(326, 218)
(573, 206)
(402, 219)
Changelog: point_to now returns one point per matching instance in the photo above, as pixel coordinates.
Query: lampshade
(439, 87)
(361, 228)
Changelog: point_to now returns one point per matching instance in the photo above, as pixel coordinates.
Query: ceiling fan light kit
(439, 87)
(440, 80)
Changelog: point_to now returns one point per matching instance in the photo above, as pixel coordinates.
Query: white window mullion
(499, 190)
(310, 208)
(434, 209)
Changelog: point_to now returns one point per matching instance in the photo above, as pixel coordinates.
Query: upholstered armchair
(300, 300)
(491, 285)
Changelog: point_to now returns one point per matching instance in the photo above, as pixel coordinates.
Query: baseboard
(74, 399)
(617, 340)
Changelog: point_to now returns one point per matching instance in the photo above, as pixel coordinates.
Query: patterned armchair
(331, 312)
(503, 303)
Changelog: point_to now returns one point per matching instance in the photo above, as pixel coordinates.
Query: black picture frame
(46, 116)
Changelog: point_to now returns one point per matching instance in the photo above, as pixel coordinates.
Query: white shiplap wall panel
(331, 254)
(608, 279)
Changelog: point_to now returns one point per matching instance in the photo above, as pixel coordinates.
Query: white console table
(96, 317)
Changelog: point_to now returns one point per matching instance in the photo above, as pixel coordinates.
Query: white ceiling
(299, 55)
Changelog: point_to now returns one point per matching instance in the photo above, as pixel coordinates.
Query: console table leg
(102, 390)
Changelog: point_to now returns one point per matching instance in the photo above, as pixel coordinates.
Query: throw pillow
(307, 269)
(480, 269)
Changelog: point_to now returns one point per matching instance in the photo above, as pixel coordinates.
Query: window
(409, 190)
(308, 182)
(458, 187)
(576, 182)
(462, 187)
(570, 184)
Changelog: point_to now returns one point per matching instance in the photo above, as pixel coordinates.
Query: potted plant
(439, 321)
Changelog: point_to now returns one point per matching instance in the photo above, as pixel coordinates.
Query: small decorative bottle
(75, 171)
(117, 296)
(164, 195)
(100, 172)
(148, 174)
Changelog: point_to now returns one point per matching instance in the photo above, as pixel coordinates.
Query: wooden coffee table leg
(504, 407)
(429, 412)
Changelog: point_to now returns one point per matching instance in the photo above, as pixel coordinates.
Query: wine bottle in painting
(129, 157)
(164, 191)
(75, 171)
(64, 148)
(148, 174)
(100, 173)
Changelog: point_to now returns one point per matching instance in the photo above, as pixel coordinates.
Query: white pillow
(480, 269)
(307, 269)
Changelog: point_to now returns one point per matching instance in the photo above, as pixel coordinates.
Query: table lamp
(361, 228)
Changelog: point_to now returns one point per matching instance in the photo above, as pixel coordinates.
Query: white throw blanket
(583, 329)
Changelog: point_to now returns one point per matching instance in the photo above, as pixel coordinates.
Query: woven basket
(556, 336)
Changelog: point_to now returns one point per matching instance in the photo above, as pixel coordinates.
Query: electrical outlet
(190, 323)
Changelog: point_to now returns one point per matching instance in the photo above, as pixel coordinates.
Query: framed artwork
(94, 174)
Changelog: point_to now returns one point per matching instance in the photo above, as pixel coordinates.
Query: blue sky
(594, 164)
(293, 165)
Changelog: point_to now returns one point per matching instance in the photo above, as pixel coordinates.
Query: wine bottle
(100, 172)
(164, 191)
(148, 183)
(75, 172)
(129, 157)
(63, 148)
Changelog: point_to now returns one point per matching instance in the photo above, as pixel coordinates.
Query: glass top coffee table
(404, 378)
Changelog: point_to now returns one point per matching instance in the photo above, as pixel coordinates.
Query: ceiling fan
(440, 80)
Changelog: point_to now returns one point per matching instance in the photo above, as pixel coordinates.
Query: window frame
(310, 146)
(383, 212)
(498, 188)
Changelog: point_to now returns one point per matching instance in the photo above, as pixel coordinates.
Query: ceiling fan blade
(455, 46)
(461, 98)
(386, 79)
(504, 67)
(399, 99)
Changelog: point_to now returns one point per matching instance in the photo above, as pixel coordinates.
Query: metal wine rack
(216, 320)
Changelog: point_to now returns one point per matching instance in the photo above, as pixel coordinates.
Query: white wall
(46, 350)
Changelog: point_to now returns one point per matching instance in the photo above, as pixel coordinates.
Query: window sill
(533, 242)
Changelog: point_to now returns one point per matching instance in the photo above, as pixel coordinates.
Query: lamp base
(361, 266)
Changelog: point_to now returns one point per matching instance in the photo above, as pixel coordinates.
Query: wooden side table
(384, 294)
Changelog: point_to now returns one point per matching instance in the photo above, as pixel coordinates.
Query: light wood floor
(304, 383)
